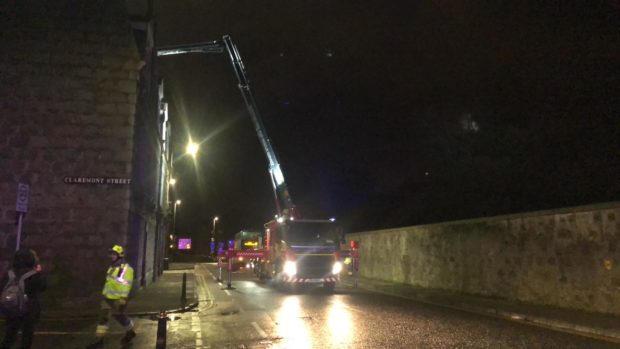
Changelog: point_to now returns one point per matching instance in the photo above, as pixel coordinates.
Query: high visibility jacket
(118, 281)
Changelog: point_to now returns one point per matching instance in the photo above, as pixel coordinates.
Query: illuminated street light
(173, 181)
(192, 148)
(215, 219)
(174, 216)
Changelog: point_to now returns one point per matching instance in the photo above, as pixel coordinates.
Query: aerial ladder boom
(283, 200)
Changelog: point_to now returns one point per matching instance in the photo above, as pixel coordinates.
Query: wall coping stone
(512, 216)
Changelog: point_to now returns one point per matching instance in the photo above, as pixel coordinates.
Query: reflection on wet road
(263, 317)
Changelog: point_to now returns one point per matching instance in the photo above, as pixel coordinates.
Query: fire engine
(247, 241)
(296, 250)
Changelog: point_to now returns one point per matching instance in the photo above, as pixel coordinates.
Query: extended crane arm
(284, 203)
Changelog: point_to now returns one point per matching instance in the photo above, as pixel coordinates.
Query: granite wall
(70, 73)
(565, 258)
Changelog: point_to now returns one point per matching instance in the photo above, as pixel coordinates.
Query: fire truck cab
(302, 252)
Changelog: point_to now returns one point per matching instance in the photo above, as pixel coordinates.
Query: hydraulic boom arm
(284, 203)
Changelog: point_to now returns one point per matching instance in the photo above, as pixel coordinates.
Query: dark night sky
(394, 113)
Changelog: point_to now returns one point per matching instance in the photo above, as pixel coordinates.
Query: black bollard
(184, 290)
(219, 269)
(161, 330)
(229, 285)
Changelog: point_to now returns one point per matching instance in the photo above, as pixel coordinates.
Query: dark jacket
(33, 286)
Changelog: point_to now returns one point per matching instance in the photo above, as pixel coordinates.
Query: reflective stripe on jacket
(118, 282)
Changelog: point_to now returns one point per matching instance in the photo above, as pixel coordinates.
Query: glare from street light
(173, 181)
(192, 148)
(216, 218)
(178, 202)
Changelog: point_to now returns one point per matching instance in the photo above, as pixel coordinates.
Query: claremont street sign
(97, 180)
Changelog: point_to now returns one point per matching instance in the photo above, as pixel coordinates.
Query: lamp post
(215, 219)
(174, 217)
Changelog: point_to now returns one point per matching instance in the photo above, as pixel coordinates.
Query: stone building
(84, 125)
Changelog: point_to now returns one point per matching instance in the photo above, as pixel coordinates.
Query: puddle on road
(229, 312)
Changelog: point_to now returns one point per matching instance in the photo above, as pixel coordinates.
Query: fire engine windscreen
(248, 240)
(312, 233)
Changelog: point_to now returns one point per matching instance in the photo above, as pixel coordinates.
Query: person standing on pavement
(25, 267)
(116, 289)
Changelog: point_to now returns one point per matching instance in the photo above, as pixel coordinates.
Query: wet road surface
(257, 315)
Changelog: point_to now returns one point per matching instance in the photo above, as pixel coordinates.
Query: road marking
(204, 294)
(227, 292)
(197, 329)
(181, 271)
(259, 330)
(60, 333)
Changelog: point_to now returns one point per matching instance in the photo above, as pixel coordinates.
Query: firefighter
(115, 293)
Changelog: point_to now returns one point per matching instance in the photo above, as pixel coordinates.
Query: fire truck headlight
(290, 268)
(337, 268)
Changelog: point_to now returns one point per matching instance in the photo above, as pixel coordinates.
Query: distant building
(84, 125)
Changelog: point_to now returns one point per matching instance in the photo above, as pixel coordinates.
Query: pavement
(593, 325)
(73, 326)
(163, 295)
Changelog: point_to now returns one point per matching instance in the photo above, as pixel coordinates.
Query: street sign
(22, 198)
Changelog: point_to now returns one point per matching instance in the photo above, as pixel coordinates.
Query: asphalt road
(257, 315)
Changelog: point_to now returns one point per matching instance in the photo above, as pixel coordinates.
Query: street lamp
(215, 219)
(174, 216)
(173, 181)
(192, 148)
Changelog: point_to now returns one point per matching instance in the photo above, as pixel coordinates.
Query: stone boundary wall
(566, 258)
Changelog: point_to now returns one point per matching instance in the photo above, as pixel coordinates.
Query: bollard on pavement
(220, 252)
(219, 269)
(160, 343)
(184, 290)
(229, 284)
(230, 254)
